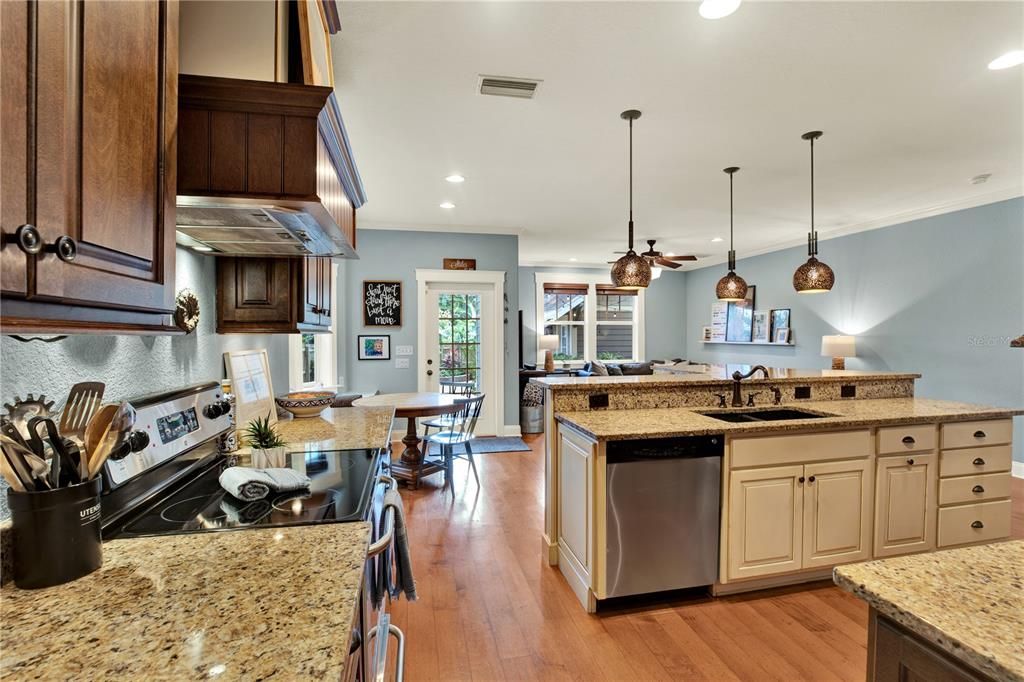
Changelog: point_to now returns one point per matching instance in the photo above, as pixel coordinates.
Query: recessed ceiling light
(572, 260)
(980, 179)
(716, 239)
(1012, 58)
(200, 247)
(447, 204)
(716, 9)
(456, 178)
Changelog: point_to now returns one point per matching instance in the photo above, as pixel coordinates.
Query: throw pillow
(614, 371)
(599, 369)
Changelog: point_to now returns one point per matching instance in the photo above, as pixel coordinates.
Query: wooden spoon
(113, 436)
(96, 433)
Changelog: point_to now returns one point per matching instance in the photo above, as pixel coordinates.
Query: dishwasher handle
(683, 447)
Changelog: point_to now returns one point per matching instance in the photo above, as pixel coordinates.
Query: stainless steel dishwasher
(663, 513)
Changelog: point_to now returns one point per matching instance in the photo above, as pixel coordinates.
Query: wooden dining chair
(461, 433)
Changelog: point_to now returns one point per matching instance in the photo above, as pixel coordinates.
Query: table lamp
(548, 343)
(838, 348)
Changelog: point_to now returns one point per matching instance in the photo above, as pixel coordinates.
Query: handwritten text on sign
(382, 304)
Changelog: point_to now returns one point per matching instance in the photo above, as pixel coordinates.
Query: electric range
(171, 486)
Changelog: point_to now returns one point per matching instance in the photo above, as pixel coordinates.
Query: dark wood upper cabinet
(273, 295)
(89, 130)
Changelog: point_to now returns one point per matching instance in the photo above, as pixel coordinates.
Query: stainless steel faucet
(737, 400)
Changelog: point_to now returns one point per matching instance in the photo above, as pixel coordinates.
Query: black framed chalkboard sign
(382, 304)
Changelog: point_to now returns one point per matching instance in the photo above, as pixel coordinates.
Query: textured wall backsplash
(133, 365)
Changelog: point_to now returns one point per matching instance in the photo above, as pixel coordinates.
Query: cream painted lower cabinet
(905, 504)
(576, 519)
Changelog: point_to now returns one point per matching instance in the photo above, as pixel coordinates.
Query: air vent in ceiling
(509, 87)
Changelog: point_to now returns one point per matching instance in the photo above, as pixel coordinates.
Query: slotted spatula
(82, 403)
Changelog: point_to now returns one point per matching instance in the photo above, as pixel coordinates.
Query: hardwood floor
(490, 608)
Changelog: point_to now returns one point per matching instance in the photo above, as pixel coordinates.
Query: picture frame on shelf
(780, 320)
(739, 324)
(781, 335)
(374, 346)
(761, 332)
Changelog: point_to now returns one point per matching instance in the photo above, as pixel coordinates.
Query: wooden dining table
(412, 465)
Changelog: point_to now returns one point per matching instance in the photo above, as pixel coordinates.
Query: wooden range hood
(264, 169)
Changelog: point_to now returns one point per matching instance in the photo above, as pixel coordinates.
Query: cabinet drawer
(813, 447)
(975, 461)
(896, 439)
(972, 434)
(974, 523)
(974, 488)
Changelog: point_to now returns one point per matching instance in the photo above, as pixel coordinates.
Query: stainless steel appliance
(171, 486)
(663, 513)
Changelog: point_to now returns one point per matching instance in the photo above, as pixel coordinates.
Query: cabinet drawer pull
(979, 434)
(977, 524)
(909, 440)
(27, 238)
(977, 489)
(978, 462)
(910, 461)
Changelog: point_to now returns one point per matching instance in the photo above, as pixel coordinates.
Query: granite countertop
(683, 421)
(335, 429)
(231, 604)
(967, 601)
(720, 374)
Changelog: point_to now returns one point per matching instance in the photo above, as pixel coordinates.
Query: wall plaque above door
(460, 263)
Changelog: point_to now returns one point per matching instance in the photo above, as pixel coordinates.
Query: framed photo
(780, 320)
(374, 347)
(761, 333)
(249, 374)
(739, 324)
(782, 335)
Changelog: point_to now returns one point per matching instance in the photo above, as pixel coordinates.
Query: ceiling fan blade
(666, 263)
(681, 258)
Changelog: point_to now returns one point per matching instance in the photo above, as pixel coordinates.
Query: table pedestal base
(412, 473)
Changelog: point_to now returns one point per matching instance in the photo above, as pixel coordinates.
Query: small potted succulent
(266, 443)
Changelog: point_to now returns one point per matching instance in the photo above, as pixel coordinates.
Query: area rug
(483, 446)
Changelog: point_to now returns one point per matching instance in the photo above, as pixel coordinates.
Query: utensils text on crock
(82, 403)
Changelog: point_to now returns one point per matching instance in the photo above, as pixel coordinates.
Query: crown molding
(433, 227)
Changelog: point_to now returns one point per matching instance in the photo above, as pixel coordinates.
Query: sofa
(594, 368)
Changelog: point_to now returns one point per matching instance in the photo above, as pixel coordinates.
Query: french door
(461, 345)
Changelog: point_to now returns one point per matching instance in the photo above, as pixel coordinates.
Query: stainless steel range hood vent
(264, 169)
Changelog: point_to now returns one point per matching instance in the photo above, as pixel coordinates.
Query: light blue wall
(396, 255)
(940, 296)
(664, 317)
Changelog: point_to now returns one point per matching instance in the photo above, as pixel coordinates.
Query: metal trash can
(531, 419)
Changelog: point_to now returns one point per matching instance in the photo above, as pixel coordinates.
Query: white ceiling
(909, 110)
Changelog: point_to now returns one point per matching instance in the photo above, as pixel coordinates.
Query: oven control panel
(170, 424)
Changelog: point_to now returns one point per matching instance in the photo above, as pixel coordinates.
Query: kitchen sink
(744, 416)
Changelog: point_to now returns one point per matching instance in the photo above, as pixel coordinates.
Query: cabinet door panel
(576, 459)
(311, 269)
(106, 115)
(14, 171)
(326, 290)
(837, 513)
(905, 504)
(765, 509)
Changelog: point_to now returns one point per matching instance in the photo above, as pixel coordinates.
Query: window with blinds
(591, 321)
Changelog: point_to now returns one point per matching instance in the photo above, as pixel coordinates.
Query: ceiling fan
(659, 259)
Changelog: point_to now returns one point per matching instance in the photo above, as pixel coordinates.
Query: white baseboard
(512, 430)
(1018, 470)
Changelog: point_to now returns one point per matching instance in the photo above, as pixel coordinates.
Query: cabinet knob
(910, 461)
(65, 247)
(430, 372)
(978, 461)
(909, 440)
(800, 480)
(977, 524)
(978, 489)
(811, 479)
(27, 238)
(979, 434)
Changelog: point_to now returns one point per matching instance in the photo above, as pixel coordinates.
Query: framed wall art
(374, 346)
(780, 320)
(761, 332)
(739, 325)
(382, 304)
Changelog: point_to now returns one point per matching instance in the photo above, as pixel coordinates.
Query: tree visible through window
(458, 328)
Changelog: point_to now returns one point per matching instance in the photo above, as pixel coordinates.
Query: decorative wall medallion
(186, 311)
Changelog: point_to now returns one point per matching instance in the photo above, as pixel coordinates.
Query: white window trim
(589, 314)
(326, 349)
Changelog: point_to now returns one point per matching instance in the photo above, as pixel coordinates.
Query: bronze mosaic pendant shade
(631, 271)
(732, 287)
(814, 276)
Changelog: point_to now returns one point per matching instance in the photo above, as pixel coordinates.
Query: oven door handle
(382, 652)
(389, 523)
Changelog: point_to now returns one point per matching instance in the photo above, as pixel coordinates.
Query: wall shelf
(749, 343)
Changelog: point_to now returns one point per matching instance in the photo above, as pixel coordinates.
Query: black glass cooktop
(341, 490)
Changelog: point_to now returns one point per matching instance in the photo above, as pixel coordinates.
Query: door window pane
(459, 342)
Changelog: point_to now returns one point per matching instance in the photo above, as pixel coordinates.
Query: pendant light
(631, 271)
(813, 277)
(732, 287)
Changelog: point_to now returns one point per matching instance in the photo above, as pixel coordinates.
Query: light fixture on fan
(813, 277)
(732, 287)
(631, 271)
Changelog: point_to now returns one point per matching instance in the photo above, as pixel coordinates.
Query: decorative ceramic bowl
(306, 403)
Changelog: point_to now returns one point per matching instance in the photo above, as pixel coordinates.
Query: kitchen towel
(404, 581)
(250, 484)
